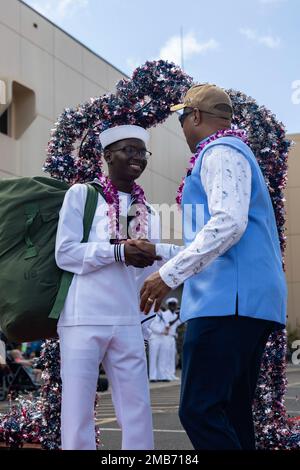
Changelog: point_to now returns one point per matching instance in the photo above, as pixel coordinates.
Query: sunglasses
(182, 116)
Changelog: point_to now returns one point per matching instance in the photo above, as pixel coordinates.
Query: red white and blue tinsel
(36, 420)
(74, 150)
(74, 155)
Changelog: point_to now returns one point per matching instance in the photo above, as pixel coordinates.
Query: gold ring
(150, 300)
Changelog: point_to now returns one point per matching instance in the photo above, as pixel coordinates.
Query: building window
(4, 112)
(4, 125)
(22, 109)
(17, 115)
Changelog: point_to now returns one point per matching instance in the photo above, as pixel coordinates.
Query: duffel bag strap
(66, 279)
(31, 211)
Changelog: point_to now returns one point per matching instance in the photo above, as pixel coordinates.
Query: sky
(249, 45)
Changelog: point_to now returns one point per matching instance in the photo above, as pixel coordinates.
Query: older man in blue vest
(234, 286)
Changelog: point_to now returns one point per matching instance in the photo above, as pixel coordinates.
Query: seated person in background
(18, 358)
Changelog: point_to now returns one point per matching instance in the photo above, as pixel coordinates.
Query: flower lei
(139, 229)
(241, 134)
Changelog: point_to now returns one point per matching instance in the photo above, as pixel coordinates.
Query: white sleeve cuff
(119, 252)
(122, 252)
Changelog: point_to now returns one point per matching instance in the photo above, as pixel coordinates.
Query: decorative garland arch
(74, 155)
(74, 150)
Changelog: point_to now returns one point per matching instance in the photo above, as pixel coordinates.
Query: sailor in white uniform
(100, 321)
(162, 344)
(171, 317)
(158, 352)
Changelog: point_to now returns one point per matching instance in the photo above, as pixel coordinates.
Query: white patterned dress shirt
(226, 178)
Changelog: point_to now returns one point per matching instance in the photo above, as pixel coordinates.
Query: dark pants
(221, 362)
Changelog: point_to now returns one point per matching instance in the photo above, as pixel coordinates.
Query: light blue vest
(249, 277)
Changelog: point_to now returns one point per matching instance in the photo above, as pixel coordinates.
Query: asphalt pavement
(168, 432)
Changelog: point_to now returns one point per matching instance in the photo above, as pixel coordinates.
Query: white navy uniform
(100, 323)
(171, 342)
(158, 358)
(162, 346)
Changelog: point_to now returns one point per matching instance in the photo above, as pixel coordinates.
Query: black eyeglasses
(183, 116)
(132, 152)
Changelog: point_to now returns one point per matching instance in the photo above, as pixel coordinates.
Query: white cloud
(249, 33)
(266, 40)
(58, 9)
(270, 41)
(171, 51)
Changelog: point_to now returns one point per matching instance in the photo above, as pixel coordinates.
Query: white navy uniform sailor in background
(162, 346)
(173, 321)
(158, 357)
(100, 323)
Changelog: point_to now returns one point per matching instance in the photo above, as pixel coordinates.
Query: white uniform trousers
(159, 363)
(122, 353)
(172, 357)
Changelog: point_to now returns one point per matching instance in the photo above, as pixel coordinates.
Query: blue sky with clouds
(250, 45)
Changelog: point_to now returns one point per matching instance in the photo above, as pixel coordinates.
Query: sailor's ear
(107, 154)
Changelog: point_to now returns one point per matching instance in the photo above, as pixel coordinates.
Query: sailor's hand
(145, 246)
(138, 257)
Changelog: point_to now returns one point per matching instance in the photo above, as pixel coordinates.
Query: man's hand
(140, 253)
(145, 246)
(153, 290)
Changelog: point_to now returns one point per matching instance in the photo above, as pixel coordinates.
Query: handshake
(139, 253)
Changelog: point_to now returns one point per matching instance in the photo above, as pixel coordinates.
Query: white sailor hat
(126, 131)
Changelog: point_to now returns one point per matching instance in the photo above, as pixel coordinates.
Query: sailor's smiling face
(126, 158)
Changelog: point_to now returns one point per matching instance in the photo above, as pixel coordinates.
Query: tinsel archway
(74, 155)
(74, 150)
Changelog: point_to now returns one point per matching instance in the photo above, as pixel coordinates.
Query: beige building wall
(293, 233)
(62, 72)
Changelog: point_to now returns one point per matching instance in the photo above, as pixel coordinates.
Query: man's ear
(197, 118)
